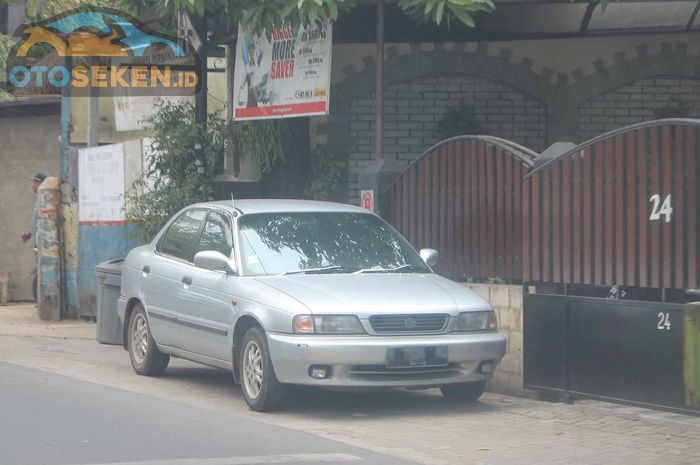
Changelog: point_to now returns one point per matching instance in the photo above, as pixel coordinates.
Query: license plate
(407, 357)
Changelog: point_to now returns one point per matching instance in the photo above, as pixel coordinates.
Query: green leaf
(288, 9)
(296, 23)
(314, 13)
(333, 9)
(438, 12)
(463, 16)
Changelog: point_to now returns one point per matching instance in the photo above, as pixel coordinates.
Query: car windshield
(324, 242)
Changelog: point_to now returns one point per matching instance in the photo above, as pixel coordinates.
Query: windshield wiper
(323, 269)
(397, 269)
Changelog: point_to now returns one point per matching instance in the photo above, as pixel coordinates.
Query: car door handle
(146, 269)
(187, 280)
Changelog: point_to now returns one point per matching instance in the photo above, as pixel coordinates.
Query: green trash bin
(109, 277)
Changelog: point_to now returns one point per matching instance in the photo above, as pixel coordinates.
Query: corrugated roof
(32, 101)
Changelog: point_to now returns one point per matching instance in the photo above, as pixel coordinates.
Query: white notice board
(131, 112)
(101, 184)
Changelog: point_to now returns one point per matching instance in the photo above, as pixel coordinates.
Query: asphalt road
(48, 419)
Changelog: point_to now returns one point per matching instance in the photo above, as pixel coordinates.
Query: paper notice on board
(101, 184)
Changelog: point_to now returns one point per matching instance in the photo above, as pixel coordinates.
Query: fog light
(486, 367)
(319, 372)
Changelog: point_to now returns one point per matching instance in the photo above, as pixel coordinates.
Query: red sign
(367, 200)
(281, 111)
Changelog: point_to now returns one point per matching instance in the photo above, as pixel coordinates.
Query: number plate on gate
(407, 357)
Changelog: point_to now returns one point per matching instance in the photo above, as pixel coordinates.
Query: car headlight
(327, 324)
(476, 321)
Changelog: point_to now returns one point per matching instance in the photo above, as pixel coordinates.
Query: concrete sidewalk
(420, 426)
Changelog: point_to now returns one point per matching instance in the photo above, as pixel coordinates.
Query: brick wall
(507, 302)
(634, 103)
(412, 111)
(564, 98)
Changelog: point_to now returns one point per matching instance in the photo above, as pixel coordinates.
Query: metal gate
(618, 212)
(626, 351)
(463, 198)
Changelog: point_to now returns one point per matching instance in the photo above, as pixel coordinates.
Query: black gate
(629, 351)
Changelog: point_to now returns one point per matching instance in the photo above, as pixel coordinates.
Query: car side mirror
(429, 256)
(214, 261)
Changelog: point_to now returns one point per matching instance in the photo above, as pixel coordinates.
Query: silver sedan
(298, 292)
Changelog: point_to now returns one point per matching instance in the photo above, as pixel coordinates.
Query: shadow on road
(331, 403)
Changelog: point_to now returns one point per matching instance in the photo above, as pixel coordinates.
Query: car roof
(248, 206)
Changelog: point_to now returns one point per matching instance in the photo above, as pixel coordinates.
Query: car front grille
(423, 323)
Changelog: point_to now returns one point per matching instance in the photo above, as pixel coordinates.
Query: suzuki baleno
(287, 292)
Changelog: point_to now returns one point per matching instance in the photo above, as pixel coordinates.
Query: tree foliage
(261, 16)
(5, 45)
(674, 108)
(447, 10)
(186, 156)
(324, 175)
(177, 172)
(459, 121)
(41, 9)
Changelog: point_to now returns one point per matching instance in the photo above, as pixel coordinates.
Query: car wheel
(465, 392)
(261, 389)
(146, 359)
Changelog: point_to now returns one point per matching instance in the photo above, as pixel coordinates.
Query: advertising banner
(286, 77)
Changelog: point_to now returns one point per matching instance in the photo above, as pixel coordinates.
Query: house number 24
(664, 321)
(659, 209)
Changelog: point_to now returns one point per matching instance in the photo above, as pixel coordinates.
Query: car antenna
(233, 204)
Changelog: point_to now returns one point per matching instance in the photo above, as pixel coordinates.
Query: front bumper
(360, 361)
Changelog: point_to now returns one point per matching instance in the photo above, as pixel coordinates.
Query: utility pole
(200, 103)
(68, 214)
(379, 85)
(232, 149)
(93, 122)
(200, 100)
(65, 125)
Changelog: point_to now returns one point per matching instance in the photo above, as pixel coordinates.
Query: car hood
(371, 293)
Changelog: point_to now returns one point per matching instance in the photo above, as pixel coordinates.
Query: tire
(464, 392)
(259, 383)
(145, 357)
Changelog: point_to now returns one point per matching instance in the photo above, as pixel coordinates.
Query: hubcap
(252, 369)
(139, 338)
